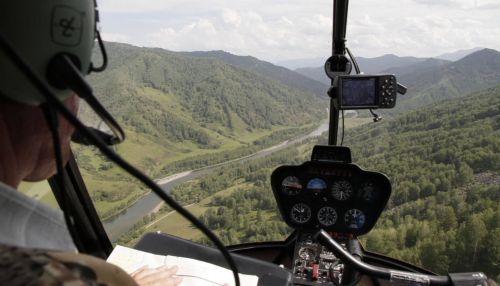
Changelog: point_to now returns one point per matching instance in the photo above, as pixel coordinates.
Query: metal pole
(338, 49)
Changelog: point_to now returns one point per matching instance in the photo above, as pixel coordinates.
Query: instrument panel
(338, 197)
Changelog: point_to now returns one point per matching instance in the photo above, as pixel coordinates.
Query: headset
(45, 52)
(56, 37)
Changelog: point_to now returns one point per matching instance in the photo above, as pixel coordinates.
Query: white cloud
(246, 33)
(115, 37)
(287, 29)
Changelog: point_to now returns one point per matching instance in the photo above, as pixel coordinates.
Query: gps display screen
(358, 92)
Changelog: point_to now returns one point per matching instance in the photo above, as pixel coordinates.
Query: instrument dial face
(316, 184)
(354, 219)
(300, 213)
(291, 186)
(327, 216)
(307, 253)
(367, 192)
(341, 190)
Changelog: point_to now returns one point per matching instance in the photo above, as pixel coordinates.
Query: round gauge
(367, 192)
(300, 213)
(291, 185)
(316, 184)
(341, 190)
(354, 219)
(327, 216)
(307, 253)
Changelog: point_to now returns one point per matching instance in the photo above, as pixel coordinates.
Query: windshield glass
(211, 126)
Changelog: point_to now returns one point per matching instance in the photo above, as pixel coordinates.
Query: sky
(279, 30)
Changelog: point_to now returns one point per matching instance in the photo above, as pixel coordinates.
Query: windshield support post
(337, 64)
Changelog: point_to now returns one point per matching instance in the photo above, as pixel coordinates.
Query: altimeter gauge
(354, 219)
(341, 190)
(300, 213)
(327, 216)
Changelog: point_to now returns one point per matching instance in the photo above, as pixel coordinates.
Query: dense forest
(444, 165)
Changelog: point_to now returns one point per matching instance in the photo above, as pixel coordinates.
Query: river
(150, 202)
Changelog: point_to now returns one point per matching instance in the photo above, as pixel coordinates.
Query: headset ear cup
(40, 30)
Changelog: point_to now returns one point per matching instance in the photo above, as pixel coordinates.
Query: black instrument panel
(337, 197)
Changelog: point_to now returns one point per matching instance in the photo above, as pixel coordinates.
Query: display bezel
(376, 91)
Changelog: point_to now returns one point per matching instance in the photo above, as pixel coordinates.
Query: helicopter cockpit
(327, 202)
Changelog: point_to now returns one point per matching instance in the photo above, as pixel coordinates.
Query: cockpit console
(332, 195)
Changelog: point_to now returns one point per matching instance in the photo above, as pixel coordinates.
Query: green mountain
(317, 74)
(474, 72)
(266, 69)
(444, 162)
(181, 112)
(444, 165)
(457, 55)
(176, 97)
(417, 68)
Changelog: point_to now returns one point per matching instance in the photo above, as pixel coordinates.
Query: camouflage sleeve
(21, 266)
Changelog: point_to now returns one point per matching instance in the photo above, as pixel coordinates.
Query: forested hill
(181, 113)
(474, 72)
(444, 163)
(196, 99)
(267, 69)
(421, 150)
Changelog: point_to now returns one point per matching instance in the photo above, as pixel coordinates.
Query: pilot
(27, 226)
(35, 245)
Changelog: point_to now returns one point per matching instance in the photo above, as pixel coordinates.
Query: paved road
(149, 202)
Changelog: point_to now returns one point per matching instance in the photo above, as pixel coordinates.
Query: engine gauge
(367, 192)
(291, 185)
(300, 213)
(354, 219)
(327, 216)
(307, 253)
(341, 190)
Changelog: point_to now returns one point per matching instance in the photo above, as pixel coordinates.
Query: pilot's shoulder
(21, 266)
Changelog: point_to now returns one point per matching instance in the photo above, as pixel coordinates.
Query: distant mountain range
(442, 80)
(431, 80)
(371, 65)
(457, 55)
(367, 66)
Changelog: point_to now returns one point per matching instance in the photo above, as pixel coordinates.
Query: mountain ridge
(275, 72)
(474, 72)
(183, 102)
